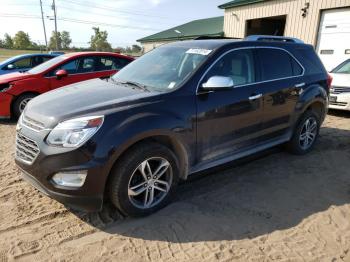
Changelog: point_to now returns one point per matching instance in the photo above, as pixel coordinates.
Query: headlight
(74, 132)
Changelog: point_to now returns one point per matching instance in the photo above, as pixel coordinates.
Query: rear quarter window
(310, 60)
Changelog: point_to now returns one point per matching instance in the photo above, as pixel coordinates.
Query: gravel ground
(275, 207)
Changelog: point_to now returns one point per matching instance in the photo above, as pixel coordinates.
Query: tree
(53, 40)
(99, 40)
(136, 49)
(65, 39)
(8, 42)
(21, 40)
(2, 43)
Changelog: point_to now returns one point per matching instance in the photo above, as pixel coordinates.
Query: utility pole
(42, 18)
(55, 17)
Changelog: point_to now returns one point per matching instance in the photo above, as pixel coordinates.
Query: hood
(341, 80)
(85, 98)
(4, 79)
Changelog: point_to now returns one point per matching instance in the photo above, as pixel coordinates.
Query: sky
(124, 20)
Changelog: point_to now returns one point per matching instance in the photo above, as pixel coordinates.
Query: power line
(111, 9)
(103, 15)
(79, 21)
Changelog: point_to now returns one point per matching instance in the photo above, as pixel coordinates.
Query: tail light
(329, 81)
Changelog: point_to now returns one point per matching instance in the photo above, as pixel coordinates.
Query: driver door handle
(254, 97)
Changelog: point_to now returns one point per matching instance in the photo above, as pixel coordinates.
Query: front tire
(20, 103)
(144, 179)
(305, 134)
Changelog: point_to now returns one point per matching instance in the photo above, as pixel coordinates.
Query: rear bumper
(5, 105)
(342, 103)
(82, 203)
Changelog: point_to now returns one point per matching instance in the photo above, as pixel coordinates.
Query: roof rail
(205, 37)
(273, 38)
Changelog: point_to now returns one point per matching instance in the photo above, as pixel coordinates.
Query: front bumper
(342, 101)
(5, 105)
(51, 161)
(83, 203)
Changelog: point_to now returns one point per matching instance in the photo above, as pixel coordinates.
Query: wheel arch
(18, 96)
(163, 138)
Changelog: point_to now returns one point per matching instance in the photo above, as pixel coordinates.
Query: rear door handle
(254, 97)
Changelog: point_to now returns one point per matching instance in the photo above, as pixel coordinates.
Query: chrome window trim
(253, 48)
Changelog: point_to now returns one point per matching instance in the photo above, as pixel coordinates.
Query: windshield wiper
(138, 85)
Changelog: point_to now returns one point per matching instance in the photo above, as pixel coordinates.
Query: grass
(7, 53)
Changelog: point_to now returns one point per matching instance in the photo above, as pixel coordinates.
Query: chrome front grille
(27, 149)
(32, 124)
(339, 90)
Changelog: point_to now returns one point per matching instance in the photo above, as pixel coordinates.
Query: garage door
(334, 37)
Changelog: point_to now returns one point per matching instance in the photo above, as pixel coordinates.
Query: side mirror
(216, 83)
(10, 67)
(61, 73)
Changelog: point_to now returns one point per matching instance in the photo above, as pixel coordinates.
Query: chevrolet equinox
(179, 109)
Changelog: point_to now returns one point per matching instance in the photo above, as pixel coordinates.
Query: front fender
(135, 127)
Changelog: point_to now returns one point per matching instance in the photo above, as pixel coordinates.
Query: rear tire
(305, 134)
(20, 104)
(144, 179)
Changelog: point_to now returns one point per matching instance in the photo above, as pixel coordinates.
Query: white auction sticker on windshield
(198, 51)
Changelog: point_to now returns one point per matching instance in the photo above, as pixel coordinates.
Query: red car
(17, 89)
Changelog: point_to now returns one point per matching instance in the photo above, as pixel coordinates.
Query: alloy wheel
(308, 133)
(23, 104)
(150, 182)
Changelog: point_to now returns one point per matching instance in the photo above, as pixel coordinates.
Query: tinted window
(120, 62)
(239, 65)
(87, 65)
(297, 69)
(23, 63)
(311, 62)
(276, 64)
(36, 60)
(71, 67)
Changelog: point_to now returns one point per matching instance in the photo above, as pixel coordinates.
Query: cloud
(155, 2)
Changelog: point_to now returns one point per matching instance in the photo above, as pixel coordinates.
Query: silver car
(340, 89)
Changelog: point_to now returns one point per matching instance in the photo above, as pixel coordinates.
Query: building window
(327, 52)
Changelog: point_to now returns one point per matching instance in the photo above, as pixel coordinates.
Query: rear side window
(23, 63)
(120, 63)
(71, 67)
(308, 57)
(87, 65)
(276, 64)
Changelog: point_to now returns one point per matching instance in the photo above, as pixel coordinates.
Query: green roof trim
(239, 3)
(203, 27)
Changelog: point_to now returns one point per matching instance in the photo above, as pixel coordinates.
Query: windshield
(343, 68)
(164, 68)
(46, 65)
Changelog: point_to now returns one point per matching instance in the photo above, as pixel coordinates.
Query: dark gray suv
(177, 110)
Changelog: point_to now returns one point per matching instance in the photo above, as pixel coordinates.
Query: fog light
(70, 179)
